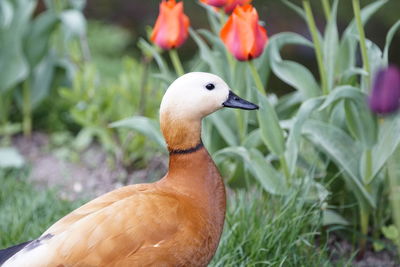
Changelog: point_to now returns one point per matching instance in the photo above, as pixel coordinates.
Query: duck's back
(139, 225)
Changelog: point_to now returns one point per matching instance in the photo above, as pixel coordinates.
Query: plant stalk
(327, 9)
(176, 62)
(26, 109)
(257, 78)
(317, 45)
(363, 45)
(364, 222)
(394, 184)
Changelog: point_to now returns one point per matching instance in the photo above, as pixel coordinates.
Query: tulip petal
(172, 25)
(242, 34)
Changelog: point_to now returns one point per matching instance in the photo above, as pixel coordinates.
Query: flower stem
(363, 45)
(327, 9)
(317, 45)
(394, 184)
(257, 78)
(26, 109)
(176, 62)
(364, 221)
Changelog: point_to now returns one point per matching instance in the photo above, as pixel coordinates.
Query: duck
(176, 221)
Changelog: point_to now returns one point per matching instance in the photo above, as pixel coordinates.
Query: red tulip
(244, 37)
(172, 25)
(232, 4)
(215, 3)
(385, 94)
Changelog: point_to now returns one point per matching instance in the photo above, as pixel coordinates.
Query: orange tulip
(172, 25)
(244, 37)
(232, 4)
(215, 3)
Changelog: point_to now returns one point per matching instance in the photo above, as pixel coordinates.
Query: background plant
(323, 130)
(35, 53)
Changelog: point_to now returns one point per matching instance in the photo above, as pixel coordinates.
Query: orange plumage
(176, 221)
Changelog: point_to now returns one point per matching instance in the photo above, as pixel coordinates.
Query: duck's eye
(210, 86)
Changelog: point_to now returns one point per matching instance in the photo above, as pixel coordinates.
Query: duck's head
(198, 94)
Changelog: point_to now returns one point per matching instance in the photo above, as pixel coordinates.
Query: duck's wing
(105, 230)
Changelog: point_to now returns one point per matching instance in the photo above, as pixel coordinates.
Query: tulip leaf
(148, 49)
(37, 39)
(13, 65)
(347, 48)
(42, 76)
(388, 141)
(389, 38)
(270, 179)
(361, 122)
(271, 131)
(145, 126)
(224, 129)
(253, 139)
(293, 140)
(6, 13)
(342, 92)
(330, 217)
(74, 23)
(343, 150)
(330, 46)
(292, 72)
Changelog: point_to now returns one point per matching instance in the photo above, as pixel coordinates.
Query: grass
(25, 212)
(263, 230)
(260, 230)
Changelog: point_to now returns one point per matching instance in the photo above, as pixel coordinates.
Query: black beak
(234, 101)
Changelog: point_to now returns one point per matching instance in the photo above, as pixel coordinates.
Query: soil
(92, 175)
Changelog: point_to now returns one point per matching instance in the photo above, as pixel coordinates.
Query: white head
(198, 94)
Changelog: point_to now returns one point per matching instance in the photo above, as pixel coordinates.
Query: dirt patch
(91, 176)
(342, 251)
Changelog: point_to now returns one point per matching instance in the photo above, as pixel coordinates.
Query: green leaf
(145, 126)
(391, 232)
(224, 129)
(271, 131)
(330, 217)
(10, 158)
(42, 78)
(74, 23)
(6, 13)
(343, 92)
(288, 71)
(348, 45)
(388, 141)
(150, 50)
(343, 150)
(253, 139)
(36, 42)
(331, 46)
(13, 65)
(294, 138)
(361, 122)
(389, 38)
(270, 179)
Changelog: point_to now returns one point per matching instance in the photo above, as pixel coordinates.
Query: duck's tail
(7, 253)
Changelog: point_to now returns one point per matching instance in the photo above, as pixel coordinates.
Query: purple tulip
(385, 95)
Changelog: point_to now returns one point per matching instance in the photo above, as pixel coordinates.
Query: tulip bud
(215, 3)
(244, 37)
(232, 4)
(172, 25)
(385, 94)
